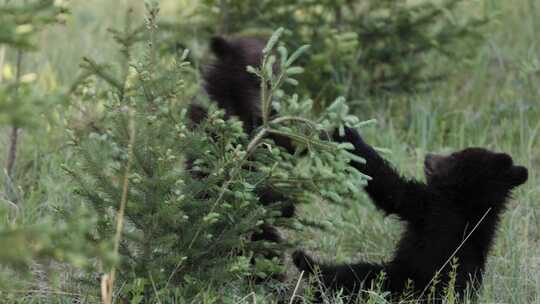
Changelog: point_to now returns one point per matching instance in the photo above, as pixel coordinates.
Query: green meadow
(490, 100)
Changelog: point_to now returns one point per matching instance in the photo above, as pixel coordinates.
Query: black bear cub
(454, 214)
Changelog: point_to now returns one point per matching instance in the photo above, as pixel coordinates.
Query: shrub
(168, 226)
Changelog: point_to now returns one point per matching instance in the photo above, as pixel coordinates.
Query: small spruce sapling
(185, 231)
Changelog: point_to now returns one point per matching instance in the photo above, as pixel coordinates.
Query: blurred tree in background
(20, 103)
(30, 239)
(358, 48)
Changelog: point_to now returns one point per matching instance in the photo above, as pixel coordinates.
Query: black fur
(463, 189)
(229, 84)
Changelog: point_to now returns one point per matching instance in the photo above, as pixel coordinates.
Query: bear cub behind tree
(236, 91)
(454, 214)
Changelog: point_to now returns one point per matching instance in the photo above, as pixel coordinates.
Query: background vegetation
(489, 96)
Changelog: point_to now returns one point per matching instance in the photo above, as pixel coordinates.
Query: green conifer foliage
(181, 229)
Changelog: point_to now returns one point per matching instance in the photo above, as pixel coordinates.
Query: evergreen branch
(302, 139)
(306, 121)
(99, 70)
(253, 144)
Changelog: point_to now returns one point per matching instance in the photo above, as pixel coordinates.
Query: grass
(491, 101)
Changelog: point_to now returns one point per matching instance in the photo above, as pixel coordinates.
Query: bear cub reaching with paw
(454, 214)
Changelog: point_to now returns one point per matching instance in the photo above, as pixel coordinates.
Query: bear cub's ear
(221, 47)
(518, 175)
